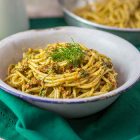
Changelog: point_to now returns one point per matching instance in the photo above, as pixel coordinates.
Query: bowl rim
(35, 98)
(26, 96)
(94, 24)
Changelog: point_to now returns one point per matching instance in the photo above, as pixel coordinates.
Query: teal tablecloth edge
(42, 23)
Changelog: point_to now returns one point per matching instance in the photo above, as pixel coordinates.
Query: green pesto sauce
(71, 53)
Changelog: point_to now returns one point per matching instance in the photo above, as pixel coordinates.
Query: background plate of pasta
(121, 17)
(72, 71)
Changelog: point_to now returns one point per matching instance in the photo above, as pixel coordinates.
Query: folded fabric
(20, 120)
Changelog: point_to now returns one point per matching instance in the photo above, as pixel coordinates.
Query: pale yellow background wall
(43, 8)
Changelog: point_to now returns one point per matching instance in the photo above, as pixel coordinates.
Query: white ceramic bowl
(124, 55)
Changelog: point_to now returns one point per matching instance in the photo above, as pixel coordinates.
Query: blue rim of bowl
(63, 101)
(93, 24)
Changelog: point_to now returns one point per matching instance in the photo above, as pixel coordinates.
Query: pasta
(116, 13)
(63, 70)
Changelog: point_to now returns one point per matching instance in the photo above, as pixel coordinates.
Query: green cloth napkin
(20, 120)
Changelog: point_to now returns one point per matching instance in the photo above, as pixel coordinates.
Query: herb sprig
(71, 53)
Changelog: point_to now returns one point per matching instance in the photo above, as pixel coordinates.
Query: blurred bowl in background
(132, 35)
